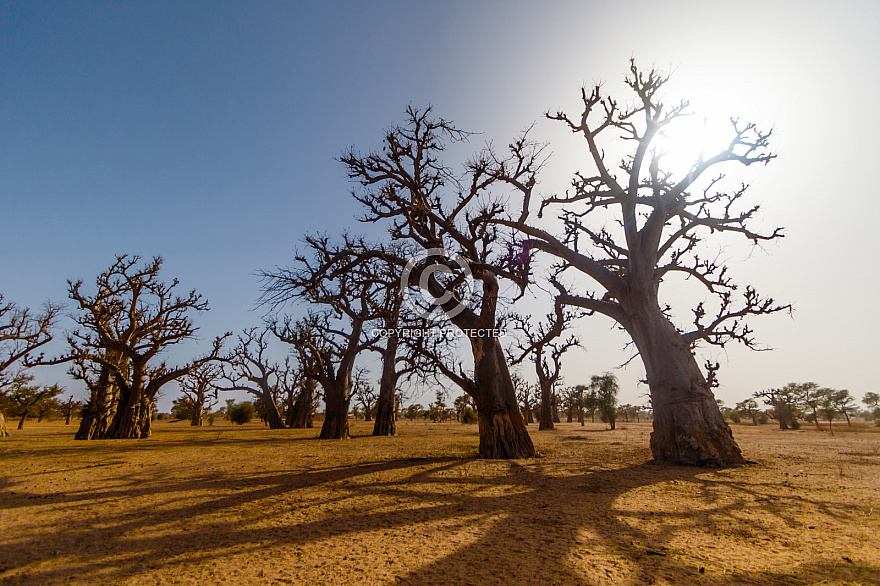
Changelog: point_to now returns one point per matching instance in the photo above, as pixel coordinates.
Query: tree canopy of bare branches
(407, 187)
(123, 328)
(660, 218)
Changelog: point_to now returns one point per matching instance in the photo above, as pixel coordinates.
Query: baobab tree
(301, 383)
(22, 333)
(123, 328)
(784, 402)
(541, 342)
(199, 390)
(364, 392)
(338, 333)
(661, 217)
(247, 368)
(447, 216)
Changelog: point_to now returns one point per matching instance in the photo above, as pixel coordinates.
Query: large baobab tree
(22, 333)
(447, 217)
(659, 219)
(123, 328)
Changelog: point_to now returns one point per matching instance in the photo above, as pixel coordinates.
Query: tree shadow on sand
(520, 522)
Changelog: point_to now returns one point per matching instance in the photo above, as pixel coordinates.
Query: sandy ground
(245, 505)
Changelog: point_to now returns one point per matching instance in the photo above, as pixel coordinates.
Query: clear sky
(206, 132)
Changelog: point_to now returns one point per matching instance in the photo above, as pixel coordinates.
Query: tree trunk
(688, 426)
(367, 415)
(554, 405)
(503, 433)
(21, 421)
(3, 431)
(385, 416)
(100, 410)
(301, 413)
(546, 419)
(570, 416)
(273, 417)
(336, 413)
(386, 423)
(128, 422)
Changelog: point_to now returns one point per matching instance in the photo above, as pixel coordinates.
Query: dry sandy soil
(245, 505)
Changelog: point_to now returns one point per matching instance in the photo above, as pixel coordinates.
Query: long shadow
(540, 525)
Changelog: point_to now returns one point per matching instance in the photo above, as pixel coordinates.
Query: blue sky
(206, 133)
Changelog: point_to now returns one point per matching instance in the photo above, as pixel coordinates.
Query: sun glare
(690, 139)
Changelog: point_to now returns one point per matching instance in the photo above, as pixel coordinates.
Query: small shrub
(735, 417)
(468, 415)
(241, 413)
(763, 419)
(795, 424)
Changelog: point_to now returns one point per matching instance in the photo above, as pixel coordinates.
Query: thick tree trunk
(688, 426)
(336, 413)
(545, 421)
(273, 417)
(3, 431)
(301, 414)
(386, 423)
(100, 410)
(503, 433)
(367, 415)
(385, 412)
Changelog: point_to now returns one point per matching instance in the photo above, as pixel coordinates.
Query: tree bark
(273, 417)
(503, 433)
(3, 431)
(336, 399)
(21, 421)
(554, 405)
(301, 413)
(688, 426)
(546, 419)
(99, 411)
(385, 412)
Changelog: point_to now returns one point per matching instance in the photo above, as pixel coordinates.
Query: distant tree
(123, 328)
(750, 408)
(413, 411)
(811, 396)
(200, 391)
(541, 341)
(872, 400)
(22, 333)
(784, 402)
(845, 403)
(464, 409)
(242, 413)
(247, 368)
(338, 332)
(364, 393)
(606, 388)
(22, 399)
(437, 410)
(69, 408)
(526, 395)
